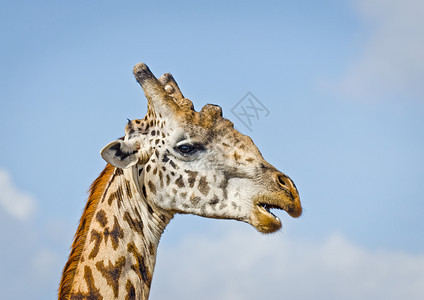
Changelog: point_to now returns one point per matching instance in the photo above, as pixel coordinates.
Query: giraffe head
(183, 161)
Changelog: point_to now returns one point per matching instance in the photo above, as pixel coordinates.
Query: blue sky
(343, 81)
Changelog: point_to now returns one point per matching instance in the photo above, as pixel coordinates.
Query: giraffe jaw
(262, 217)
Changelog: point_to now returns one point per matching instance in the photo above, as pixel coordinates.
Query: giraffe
(174, 160)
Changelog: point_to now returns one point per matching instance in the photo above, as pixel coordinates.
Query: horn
(171, 87)
(156, 96)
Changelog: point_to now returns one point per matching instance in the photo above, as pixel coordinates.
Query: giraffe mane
(97, 190)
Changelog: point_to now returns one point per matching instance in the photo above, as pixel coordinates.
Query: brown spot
(214, 200)
(194, 199)
(222, 206)
(115, 234)
(236, 156)
(119, 172)
(171, 162)
(168, 179)
(128, 189)
(161, 178)
(191, 177)
(151, 248)
(152, 187)
(223, 185)
(203, 186)
(93, 292)
(97, 238)
(250, 159)
(101, 218)
(183, 195)
(180, 182)
(112, 273)
(130, 291)
(136, 226)
(155, 170)
(225, 145)
(117, 195)
(139, 267)
(148, 167)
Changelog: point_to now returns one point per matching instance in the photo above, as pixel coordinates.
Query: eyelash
(189, 149)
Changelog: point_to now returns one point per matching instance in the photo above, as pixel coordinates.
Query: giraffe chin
(264, 220)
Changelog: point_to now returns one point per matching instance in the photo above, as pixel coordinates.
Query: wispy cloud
(243, 265)
(15, 202)
(391, 61)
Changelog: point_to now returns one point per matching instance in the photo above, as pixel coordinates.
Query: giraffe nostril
(282, 180)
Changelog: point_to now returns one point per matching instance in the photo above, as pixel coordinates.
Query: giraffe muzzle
(285, 197)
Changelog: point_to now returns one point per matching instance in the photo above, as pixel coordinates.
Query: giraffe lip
(266, 207)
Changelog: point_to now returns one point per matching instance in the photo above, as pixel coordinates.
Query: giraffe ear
(124, 154)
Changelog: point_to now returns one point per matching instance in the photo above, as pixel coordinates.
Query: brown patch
(101, 218)
(191, 177)
(214, 200)
(136, 226)
(250, 159)
(203, 186)
(236, 156)
(97, 238)
(183, 195)
(152, 187)
(151, 248)
(155, 170)
(168, 179)
(180, 182)
(171, 162)
(148, 168)
(194, 199)
(117, 195)
(223, 185)
(128, 188)
(130, 291)
(97, 191)
(115, 234)
(161, 178)
(139, 267)
(112, 273)
(93, 292)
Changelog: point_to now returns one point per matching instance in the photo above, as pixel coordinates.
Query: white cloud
(15, 202)
(245, 265)
(391, 63)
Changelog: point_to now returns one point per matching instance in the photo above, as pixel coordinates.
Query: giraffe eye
(187, 149)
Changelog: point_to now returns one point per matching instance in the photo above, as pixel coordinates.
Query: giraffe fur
(174, 160)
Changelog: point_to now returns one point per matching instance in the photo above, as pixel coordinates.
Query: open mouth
(266, 208)
(263, 217)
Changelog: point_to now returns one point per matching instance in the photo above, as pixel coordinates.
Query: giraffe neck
(114, 251)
